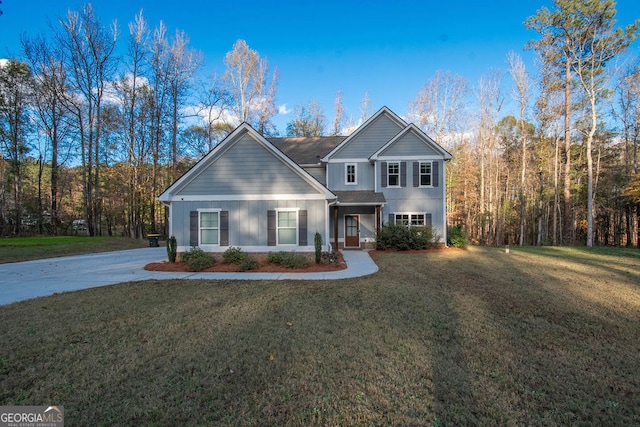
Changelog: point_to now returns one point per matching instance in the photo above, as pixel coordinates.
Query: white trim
(399, 185)
(346, 173)
(297, 227)
(208, 210)
(424, 217)
(420, 174)
(354, 160)
(234, 197)
(408, 158)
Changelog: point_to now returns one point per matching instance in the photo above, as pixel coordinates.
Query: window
(287, 227)
(425, 174)
(410, 219)
(350, 174)
(393, 174)
(209, 228)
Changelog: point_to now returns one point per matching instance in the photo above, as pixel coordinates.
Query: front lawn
(18, 249)
(546, 336)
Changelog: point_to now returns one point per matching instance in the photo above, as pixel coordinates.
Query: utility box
(153, 240)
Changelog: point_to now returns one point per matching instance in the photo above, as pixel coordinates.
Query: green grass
(545, 336)
(29, 248)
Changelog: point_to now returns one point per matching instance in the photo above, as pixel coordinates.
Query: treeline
(96, 124)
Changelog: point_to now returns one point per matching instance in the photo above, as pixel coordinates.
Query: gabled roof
(421, 135)
(307, 150)
(225, 145)
(384, 110)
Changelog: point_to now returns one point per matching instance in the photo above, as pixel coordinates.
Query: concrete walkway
(25, 280)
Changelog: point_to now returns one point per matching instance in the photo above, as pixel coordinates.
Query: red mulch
(265, 267)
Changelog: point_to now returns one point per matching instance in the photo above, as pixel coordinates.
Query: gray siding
(370, 139)
(409, 145)
(365, 176)
(248, 221)
(247, 167)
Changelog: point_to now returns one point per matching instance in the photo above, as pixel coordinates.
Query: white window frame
(297, 233)
(200, 228)
(421, 174)
(355, 174)
(389, 164)
(411, 217)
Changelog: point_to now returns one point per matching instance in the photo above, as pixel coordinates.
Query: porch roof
(359, 198)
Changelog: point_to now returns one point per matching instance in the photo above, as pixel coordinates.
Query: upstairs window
(425, 174)
(393, 174)
(350, 174)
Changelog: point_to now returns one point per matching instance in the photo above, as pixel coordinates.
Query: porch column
(377, 219)
(335, 228)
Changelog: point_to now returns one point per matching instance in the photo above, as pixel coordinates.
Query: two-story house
(274, 194)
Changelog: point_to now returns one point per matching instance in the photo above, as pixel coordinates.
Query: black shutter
(302, 228)
(193, 228)
(383, 180)
(224, 228)
(427, 219)
(435, 178)
(416, 174)
(403, 174)
(271, 228)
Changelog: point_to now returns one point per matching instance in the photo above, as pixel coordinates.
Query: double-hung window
(393, 174)
(425, 174)
(287, 227)
(410, 219)
(209, 227)
(351, 177)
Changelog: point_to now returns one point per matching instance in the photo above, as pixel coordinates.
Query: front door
(351, 231)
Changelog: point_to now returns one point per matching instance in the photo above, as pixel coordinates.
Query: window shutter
(435, 178)
(383, 180)
(403, 174)
(392, 218)
(224, 228)
(416, 174)
(427, 219)
(193, 228)
(302, 228)
(271, 228)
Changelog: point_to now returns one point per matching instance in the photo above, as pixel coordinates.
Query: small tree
(318, 244)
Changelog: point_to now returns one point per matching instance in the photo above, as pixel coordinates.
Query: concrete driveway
(25, 280)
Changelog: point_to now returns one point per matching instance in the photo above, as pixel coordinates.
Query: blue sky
(386, 48)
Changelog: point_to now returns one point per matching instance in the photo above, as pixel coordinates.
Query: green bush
(172, 248)
(403, 238)
(245, 261)
(197, 259)
(330, 257)
(234, 255)
(456, 237)
(288, 259)
(318, 245)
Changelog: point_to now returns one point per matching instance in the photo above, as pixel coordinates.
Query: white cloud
(282, 109)
(3, 62)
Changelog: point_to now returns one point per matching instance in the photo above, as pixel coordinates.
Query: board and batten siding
(365, 172)
(370, 139)
(247, 223)
(247, 167)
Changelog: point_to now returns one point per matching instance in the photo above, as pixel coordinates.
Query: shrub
(245, 261)
(288, 259)
(234, 255)
(172, 249)
(318, 245)
(330, 257)
(197, 259)
(456, 237)
(402, 237)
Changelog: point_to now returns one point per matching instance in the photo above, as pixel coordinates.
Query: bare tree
(339, 115)
(308, 120)
(438, 108)
(252, 92)
(520, 77)
(364, 107)
(88, 48)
